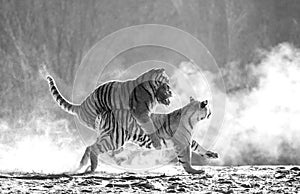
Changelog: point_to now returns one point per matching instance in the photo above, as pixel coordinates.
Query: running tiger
(139, 95)
(176, 126)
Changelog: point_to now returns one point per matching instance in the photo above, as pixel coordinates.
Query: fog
(262, 125)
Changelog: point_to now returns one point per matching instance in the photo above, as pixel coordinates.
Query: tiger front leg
(202, 151)
(147, 125)
(184, 157)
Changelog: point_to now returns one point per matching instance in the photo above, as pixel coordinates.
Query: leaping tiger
(176, 126)
(139, 95)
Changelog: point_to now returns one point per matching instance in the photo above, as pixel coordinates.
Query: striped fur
(140, 94)
(176, 126)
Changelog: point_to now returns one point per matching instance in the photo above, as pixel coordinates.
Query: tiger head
(161, 83)
(196, 111)
(163, 94)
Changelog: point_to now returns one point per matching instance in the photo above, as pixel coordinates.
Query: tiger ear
(191, 99)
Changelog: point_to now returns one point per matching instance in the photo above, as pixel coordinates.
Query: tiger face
(163, 94)
(197, 110)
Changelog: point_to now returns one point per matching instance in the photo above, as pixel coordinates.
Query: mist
(43, 144)
(262, 124)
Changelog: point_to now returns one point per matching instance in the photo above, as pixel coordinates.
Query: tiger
(176, 127)
(138, 95)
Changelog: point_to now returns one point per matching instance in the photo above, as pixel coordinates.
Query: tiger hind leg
(84, 159)
(88, 154)
(184, 157)
(91, 153)
(103, 144)
(94, 159)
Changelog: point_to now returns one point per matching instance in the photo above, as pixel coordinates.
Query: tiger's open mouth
(163, 94)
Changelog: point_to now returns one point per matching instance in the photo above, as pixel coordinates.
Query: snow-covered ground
(243, 179)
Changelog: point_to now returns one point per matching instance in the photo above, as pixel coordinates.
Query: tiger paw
(194, 171)
(210, 154)
(89, 170)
